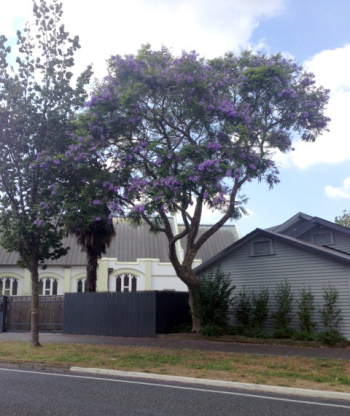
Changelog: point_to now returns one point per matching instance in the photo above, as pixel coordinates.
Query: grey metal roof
(319, 221)
(335, 254)
(223, 238)
(281, 227)
(74, 256)
(132, 243)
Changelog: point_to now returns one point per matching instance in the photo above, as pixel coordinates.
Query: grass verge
(312, 373)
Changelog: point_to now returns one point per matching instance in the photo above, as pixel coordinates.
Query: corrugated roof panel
(131, 243)
(224, 237)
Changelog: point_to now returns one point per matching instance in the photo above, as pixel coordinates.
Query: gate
(50, 313)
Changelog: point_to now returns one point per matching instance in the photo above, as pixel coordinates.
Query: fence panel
(172, 312)
(18, 314)
(124, 314)
(3, 303)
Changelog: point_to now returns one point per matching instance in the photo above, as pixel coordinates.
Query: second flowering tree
(182, 132)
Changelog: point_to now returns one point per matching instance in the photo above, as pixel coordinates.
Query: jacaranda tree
(37, 108)
(184, 131)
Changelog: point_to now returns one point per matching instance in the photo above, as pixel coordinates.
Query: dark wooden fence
(131, 314)
(125, 314)
(172, 311)
(3, 302)
(18, 313)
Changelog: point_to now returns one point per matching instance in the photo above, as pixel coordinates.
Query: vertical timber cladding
(18, 314)
(3, 302)
(121, 314)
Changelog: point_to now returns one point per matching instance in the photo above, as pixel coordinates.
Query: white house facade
(136, 260)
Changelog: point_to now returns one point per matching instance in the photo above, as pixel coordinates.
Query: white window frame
(265, 240)
(125, 287)
(52, 280)
(9, 291)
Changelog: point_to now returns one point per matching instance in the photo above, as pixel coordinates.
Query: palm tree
(94, 239)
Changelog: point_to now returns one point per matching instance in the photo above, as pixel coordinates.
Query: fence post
(3, 307)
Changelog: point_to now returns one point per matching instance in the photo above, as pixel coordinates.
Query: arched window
(81, 285)
(48, 286)
(126, 282)
(8, 286)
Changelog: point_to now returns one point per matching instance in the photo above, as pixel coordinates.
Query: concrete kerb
(218, 383)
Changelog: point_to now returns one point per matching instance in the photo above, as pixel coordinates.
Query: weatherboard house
(306, 251)
(136, 260)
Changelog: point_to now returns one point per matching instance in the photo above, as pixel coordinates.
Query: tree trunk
(35, 318)
(91, 271)
(185, 273)
(196, 325)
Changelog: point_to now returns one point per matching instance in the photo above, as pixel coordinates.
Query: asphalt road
(32, 393)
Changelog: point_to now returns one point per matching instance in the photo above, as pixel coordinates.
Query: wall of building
(151, 274)
(300, 267)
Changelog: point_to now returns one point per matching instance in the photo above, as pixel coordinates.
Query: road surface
(34, 393)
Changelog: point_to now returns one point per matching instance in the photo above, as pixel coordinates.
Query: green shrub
(236, 330)
(248, 332)
(329, 313)
(211, 330)
(260, 310)
(256, 333)
(213, 298)
(304, 336)
(330, 337)
(306, 308)
(243, 307)
(282, 316)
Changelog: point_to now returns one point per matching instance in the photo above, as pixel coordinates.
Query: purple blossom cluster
(38, 222)
(210, 166)
(176, 126)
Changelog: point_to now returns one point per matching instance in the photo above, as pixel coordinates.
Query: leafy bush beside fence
(215, 301)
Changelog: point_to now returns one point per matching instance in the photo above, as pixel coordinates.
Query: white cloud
(332, 70)
(107, 28)
(339, 193)
(10, 15)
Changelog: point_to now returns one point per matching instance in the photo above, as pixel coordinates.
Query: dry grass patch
(313, 373)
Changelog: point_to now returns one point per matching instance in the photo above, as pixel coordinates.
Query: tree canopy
(343, 219)
(38, 106)
(185, 131)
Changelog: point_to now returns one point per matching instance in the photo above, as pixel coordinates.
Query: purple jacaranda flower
(38, 222)
(215, 146)
(44, 205)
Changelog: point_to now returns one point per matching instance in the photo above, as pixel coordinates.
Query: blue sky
(315, 179)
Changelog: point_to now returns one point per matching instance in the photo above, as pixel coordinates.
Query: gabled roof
(132, 243)
(322, 250)
(324, 223)
(284, 226)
